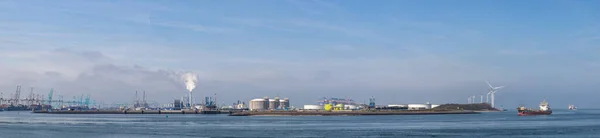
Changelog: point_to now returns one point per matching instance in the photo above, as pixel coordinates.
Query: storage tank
(258, 104)
(328, 107)
(274, 103)
(339, 107)
(284, 104)
(419, 106)
(313, 107)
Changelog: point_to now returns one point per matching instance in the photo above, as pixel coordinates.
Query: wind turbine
(481, 99)
(493, 91)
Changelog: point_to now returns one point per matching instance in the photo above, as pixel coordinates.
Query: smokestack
(137, 100)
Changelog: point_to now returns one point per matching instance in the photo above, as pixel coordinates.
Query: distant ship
(502, 109)
(544, 110)
(572, 107)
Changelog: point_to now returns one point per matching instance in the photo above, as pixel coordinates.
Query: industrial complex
(185, 105)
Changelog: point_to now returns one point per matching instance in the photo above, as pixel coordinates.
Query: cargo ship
(544, 110)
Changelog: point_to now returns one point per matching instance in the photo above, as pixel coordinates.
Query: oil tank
(258, 104)
(328, 107)
(339, 107)
(274, 103)
(284, 104)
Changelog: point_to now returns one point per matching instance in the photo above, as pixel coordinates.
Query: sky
(395, 51)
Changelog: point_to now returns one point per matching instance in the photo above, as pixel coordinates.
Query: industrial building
(412, 106)
(177, 105)
(313, 107)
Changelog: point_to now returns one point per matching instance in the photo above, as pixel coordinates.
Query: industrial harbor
(276, 106)
(265, 106)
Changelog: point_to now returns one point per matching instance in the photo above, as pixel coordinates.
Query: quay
(135, 112)
(348, 113)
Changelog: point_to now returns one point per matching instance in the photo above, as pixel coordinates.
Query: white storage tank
(313, 107)
(284, 103)
(258, 104)
(274, 103)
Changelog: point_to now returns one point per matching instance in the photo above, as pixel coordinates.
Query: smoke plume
(190, 80)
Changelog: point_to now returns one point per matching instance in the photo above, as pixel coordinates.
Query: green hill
(474, 107)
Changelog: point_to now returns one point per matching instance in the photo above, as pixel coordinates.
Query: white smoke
(190, 79)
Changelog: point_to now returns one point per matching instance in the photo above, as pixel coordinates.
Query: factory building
(177, 104)
(313, 107)
(351, 107)
(419, 106)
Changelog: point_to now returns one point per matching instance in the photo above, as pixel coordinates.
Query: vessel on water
(544, 110)
(572, 107)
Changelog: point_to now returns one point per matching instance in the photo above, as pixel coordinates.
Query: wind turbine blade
(488, 83)
(500, 87)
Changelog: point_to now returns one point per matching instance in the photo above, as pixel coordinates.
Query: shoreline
(346, 113)
(134, 112)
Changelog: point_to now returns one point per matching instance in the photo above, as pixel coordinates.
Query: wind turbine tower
(493, 91)
(481, 99)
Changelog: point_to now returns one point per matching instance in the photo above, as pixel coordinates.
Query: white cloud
(195, 27)
(72, 73)
(522, 52)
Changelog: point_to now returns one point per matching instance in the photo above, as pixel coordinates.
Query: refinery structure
(33, 101)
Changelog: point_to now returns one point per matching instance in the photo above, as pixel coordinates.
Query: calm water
(561, 124)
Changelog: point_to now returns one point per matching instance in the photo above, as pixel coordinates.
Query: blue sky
(396, 51)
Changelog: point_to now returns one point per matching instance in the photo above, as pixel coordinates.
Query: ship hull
(529, 113)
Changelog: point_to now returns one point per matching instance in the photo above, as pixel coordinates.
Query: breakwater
(346, 113)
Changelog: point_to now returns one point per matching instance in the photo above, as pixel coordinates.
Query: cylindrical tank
(339, 107)
(258, 104)
(273, 103)
(284, 104)
(313, 107)
(328, 107)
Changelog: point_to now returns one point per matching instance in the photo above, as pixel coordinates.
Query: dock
(348, 113)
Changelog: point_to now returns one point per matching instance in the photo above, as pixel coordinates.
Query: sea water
(561, 124)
